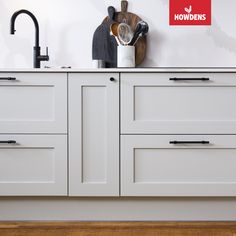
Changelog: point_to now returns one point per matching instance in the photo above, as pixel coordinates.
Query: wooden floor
(118, 228)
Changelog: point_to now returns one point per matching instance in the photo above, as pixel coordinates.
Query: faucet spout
(36, 24)
(37, 57)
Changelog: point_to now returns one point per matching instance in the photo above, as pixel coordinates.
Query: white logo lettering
(192, 17)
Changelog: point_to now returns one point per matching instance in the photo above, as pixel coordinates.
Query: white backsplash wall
(67, 26)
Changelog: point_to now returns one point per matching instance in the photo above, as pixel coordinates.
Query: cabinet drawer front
(33, 103)
(197, 103)
(178, 165)
(33, 165)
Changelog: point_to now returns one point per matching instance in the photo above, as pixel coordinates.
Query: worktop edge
(124, 70)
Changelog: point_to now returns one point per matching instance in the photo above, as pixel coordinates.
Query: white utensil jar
(126, 56)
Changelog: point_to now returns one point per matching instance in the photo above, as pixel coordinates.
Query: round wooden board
(132, 20)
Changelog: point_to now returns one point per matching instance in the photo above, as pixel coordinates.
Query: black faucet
(37, 57)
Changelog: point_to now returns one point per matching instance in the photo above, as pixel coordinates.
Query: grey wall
(67, 27)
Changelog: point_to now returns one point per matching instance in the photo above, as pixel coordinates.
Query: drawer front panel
(152, 166)
(33, 165)
(156, 104)
(33, 103)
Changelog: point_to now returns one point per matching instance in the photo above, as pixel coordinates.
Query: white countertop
(117, 70)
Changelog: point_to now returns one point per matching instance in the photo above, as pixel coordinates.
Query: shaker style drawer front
(164, 165)
(178, 103)
(33, 165)
(33, 103)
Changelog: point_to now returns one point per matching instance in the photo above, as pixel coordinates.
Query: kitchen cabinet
(33, 165)
(33, 134)
(178, 134)
(178, 103)
(93, 134)
(60, 133)
(33, 103)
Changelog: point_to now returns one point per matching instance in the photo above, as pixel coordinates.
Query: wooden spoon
(114, 31)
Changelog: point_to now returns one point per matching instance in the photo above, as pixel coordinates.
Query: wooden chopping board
(132, 20)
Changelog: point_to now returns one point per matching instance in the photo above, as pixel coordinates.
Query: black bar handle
(189, 142)
(7, 78)
(8, 142)
(189, 79)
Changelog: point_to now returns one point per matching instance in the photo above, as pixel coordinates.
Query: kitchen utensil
(145, 27)
(132, 19)
(125, 33)
(104, 46)
(141, 30)
(114, 31)
(137, 32)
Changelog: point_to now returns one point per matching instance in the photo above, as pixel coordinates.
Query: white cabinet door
(94, 134)
(33, 165)
(152, 166)
(178, 103)
(33, 103)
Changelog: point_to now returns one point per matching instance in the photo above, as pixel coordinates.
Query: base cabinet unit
(93, 134)
(180, 165)
(110, 134)
(33, 103)
(178, 103)
(33, 165)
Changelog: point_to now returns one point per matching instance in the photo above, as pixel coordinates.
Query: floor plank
(118, 228)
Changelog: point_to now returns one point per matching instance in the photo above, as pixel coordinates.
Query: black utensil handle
(7, 78)
(136, 34)
(189, 142)
(189, 79)
(8, 142)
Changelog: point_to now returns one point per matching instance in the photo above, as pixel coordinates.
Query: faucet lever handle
(44, 57)
(47, 56)
(47, 51)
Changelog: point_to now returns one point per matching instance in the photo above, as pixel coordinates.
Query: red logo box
(190, 12)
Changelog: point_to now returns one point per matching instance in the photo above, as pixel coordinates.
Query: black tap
(37, 57)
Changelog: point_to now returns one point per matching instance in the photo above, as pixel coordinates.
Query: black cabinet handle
(8, 142)
(7, 78)
(112, 79)
(189, 142)
(189, 79)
